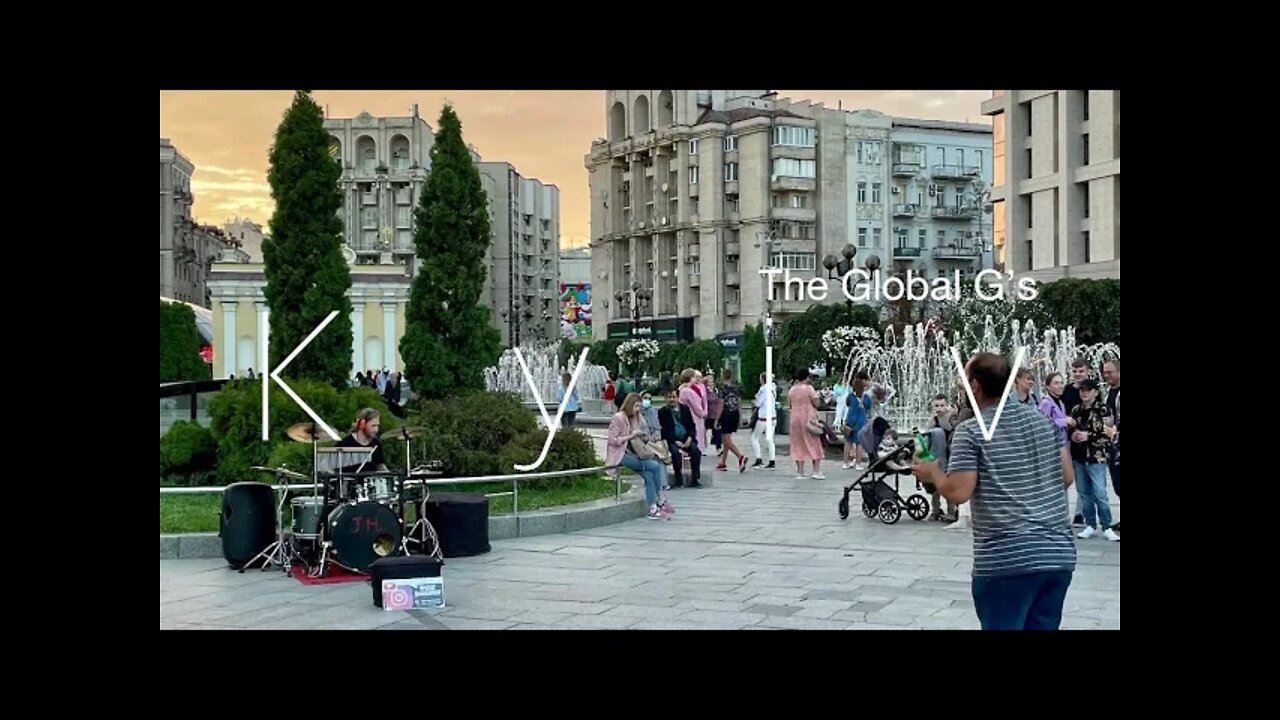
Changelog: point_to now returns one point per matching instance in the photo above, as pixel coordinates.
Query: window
(693, 175)
(942, 238)
(997, 150)
(1085, 105)
(900, 237)
(1085, 157)
(788, 167)
(862, 192)
(869, 152)
(793, 261)
(875, 237)
(1029, 174)
(1086, 246)
(799, 201)
(940, 195)
(960, 158)
(730, 143)
(693, 147)
(942, 156)
(875, 193)
(695, 268)
(731, 172)
(731, 203)
(978, 160)
(794, 136)
(959, 196)
(862, 237)
(922, 237)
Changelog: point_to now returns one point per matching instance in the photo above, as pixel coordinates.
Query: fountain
(921, 365)
(542, 359)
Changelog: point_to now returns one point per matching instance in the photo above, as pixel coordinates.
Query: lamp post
(634, 300)
(837, 268)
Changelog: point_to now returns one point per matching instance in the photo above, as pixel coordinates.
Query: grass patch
(199, 512)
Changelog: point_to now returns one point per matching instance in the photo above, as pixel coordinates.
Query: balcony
(732, 309)
(797, 214)
(733, 278)
(904, 211)
(906, 169)
(902, 252)
(369, 198)
(956, 252)
(954, 213)
(784, 182)
(695, 280)
(404, 197)
(733, 249)
(954, 172)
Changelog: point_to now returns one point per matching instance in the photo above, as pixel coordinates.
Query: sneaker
(1078, 519)
(656, 514)
(773, 465)
(1116, 527)
(818, 476)
(959, 524)
(1087, 533)
(802, 477)
(757, 463)
(742, 464)
(1111, 535)
(721, 467)
(844, 466)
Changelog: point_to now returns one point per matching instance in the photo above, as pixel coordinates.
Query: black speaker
(247, 524)
(461, 521)
(398, 568)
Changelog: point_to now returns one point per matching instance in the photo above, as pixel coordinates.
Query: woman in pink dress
(692, 395)
(802, 401)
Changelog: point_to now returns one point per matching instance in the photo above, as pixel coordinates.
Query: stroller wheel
(868, 510)
(889, 512)
(843, 507)
(917, 507)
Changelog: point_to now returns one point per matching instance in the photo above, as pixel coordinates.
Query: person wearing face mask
(650, 416)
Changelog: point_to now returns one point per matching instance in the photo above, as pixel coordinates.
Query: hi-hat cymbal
(305, 432)
(411, 433)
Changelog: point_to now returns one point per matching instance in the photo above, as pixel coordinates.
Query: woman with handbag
(805, 427)
(628, 448)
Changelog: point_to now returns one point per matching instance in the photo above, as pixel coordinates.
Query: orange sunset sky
(545, 134)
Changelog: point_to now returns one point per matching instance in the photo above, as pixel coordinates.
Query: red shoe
(722, 466)
(742, 464)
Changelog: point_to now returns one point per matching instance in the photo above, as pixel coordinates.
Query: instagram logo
(396, 597)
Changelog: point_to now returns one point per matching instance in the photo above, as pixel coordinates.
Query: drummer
(364, 433)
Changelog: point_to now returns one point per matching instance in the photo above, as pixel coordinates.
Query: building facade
(186, 248)
(695, 192)
(379, 294)
(248, 234)
(1056, 183)
(524, 258)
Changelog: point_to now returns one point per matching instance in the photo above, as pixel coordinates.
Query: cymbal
(282, 472)
(305, 432)
(406, 432)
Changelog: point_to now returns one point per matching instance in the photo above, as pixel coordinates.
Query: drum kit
(346, 516)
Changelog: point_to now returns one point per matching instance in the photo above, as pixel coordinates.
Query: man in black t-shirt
(1070, 399)
(1111, 373)
(364, 433)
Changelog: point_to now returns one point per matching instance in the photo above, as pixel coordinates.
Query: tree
(448, 340)
(180, 345)
(307, 276)
(1092, 307)
(800, 337)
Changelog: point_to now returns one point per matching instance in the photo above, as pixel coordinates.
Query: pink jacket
(619, 433)
(697, 403)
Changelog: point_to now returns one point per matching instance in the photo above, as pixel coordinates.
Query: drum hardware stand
(279, 552)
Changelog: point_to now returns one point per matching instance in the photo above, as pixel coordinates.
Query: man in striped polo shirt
(1023, 551)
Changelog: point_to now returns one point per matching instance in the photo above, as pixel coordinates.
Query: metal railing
(514, 479)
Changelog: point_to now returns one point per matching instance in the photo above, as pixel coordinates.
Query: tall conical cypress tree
(448, 340)
(307, 276)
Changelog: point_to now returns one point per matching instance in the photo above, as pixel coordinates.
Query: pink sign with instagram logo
(412, 593)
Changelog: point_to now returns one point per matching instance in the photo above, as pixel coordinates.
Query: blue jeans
(1021, 602)
(1091, 494)
(650, 470)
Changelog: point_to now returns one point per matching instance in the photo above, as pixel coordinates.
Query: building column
(357, 335)
(389, 334)
(229, 337)
(261, 333)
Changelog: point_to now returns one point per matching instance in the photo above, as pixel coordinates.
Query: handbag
(660, 451)
(640, 448)
(815, 426)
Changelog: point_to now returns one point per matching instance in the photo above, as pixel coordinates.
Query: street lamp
(634, 300)
(837, 268)
(764, 240)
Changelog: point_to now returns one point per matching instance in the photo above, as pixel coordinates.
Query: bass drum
(363, 532)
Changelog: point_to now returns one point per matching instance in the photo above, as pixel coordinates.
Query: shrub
(236, 421)
(186, 449)
(180, 345)
(570, 450)
(467, 432)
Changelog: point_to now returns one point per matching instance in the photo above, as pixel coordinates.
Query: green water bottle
(922, 446)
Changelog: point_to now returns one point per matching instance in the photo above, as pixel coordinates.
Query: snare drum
(380, 489)
(308, 517)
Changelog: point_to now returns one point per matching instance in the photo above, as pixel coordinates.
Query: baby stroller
(879, 499)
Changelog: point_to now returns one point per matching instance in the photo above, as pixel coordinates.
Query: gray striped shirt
(1020, 520)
